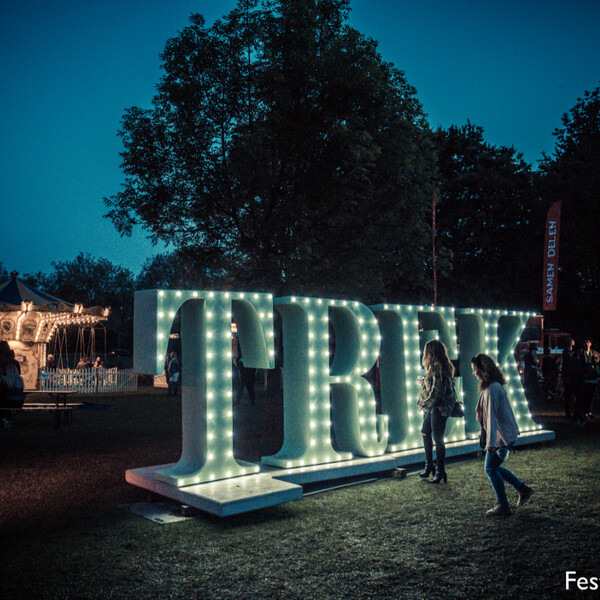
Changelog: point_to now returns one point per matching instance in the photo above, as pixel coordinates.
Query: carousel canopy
(15, 292)
(30, 315)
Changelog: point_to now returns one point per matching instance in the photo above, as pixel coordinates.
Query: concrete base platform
(222, 498)
(338, 470)
(274, 486)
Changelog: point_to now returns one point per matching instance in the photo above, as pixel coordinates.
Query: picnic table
(58, 404)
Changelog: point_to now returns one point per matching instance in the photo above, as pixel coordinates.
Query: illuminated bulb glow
(440, 318)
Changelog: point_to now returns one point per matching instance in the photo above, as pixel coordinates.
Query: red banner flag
(551, 256)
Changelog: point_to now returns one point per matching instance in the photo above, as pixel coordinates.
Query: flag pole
(433, 226)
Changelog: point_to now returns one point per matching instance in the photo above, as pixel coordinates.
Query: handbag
(482, 438)
(458, 410)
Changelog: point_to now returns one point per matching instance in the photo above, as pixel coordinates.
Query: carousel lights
(25, 308)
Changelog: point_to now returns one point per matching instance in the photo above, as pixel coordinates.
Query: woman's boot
(439, 476)
(440, 472)
(427, 471)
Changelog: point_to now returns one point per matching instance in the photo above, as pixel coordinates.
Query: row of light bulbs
(318, 449)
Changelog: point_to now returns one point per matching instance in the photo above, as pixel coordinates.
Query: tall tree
(175, 271)
(490, 219)
(572, 174)
(93, 282)
(281, 148)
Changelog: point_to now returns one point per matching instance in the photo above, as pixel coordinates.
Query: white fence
(88, 381)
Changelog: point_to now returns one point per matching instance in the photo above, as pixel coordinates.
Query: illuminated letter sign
(308, 382)
(330, 415)
(400, 366)
(207, 444)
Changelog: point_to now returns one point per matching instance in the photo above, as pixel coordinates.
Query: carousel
(35, 324)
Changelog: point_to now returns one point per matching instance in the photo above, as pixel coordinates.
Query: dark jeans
(434, 427)
(173, 386)
(589, 387)
(569, 396)
(498, 474)
(581, 399)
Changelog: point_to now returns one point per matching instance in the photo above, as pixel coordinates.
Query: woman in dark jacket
(437, 402)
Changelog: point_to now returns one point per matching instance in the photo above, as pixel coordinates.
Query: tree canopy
(491, 220)
(93, 282)
(281, 149)
(88, 281)
(572, 174)
(173, 271)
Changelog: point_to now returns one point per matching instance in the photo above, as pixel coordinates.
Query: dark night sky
(70, 68)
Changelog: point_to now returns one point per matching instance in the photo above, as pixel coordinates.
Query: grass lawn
(64, 536)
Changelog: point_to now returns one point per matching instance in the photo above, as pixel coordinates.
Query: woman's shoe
(524, 493)
(439, 476)
(499, 510)
(427, 471)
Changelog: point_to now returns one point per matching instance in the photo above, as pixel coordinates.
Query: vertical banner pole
(433, 226)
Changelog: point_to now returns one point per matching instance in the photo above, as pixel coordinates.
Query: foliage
(88, 281)
(572, 174)
(93, 282)
(491, 221)
(175, 271)
(4, 275)
(281, 148)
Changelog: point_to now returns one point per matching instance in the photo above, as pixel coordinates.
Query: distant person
(550, 376)
(4, 356)
(174, 374)
(82, 364)
(588, 381)
(530, 378)
(569, 376)
(12, 360)
(98, 363)
(11, 394)
(596, 396)
(166, 371)
(7, 357)
(437, 406)
(497, 419)
(51, 362)
(247, 377)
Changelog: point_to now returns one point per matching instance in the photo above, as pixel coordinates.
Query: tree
(572, 174)
(3, 273)
(281, 149)
(174, 271)
(490, 219)
(93, 282)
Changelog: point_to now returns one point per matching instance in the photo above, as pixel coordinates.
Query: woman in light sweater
(498, 420)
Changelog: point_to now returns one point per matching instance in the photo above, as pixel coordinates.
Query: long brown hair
(488, 370)
(435, 352)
